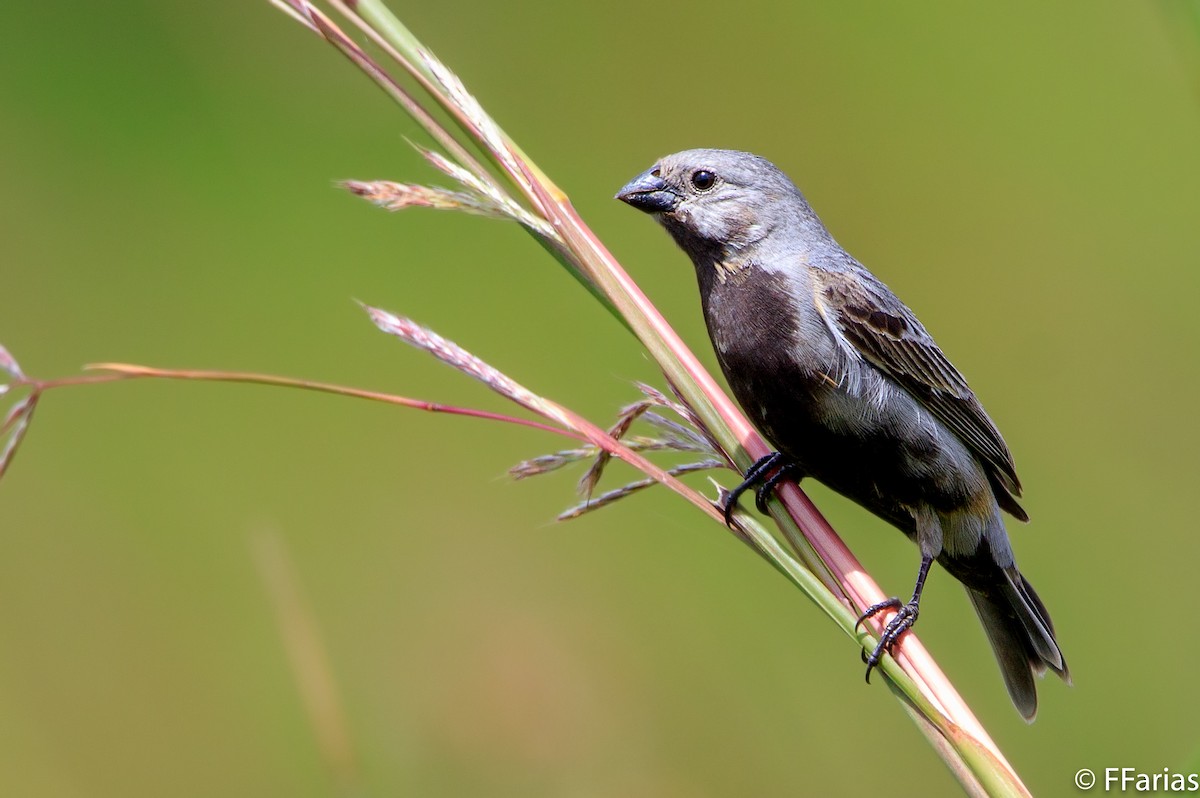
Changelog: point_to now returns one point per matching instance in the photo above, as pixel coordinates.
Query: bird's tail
(1021, 634)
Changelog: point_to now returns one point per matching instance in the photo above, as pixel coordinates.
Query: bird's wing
(889, 336)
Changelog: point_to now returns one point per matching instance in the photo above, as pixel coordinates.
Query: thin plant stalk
(839, 574)
(308, 657)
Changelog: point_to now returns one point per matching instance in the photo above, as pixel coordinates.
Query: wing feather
(889, 336)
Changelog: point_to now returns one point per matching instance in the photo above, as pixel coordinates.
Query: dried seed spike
(450, 168)
(679, 406)
(685, 438)
(398, 196)
(684, 411)
(655, 395)
(627, 416)
(457, 92)
(502, 201)
(543, 464)
(9, 363)
(611, 496)
(454, 355)
(640, 443)
(16, 411)
(604, 499)
(697, 433)
(15, 427)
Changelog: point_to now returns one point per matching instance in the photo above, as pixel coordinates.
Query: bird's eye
(703, 180)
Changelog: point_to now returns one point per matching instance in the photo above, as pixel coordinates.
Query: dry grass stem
(308, 657)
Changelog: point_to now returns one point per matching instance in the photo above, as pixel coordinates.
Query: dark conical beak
(650, 193)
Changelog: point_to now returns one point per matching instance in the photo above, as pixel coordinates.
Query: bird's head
(717, 200)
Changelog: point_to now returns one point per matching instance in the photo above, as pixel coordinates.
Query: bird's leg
(754, 474)
(902, 621)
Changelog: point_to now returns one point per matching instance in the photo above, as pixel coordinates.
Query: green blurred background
(1026, 178)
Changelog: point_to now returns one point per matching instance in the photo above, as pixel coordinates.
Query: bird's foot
(756, 474)
(763, 494)
(901, 622)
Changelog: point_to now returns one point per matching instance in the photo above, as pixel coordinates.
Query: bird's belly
(839, 418)
(874, 444)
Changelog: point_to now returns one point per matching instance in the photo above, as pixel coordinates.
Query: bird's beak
(650, 193)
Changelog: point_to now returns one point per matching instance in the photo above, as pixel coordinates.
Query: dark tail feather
(1022, 637)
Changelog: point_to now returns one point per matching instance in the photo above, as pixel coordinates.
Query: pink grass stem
(126, 371)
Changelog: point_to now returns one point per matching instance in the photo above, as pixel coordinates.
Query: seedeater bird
(846, 383)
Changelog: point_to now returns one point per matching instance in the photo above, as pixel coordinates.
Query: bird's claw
(763, 494)
(901, 622)
(731, 504)
(892, 603)
(754, 475)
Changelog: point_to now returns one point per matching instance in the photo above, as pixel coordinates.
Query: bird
(851, 390)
